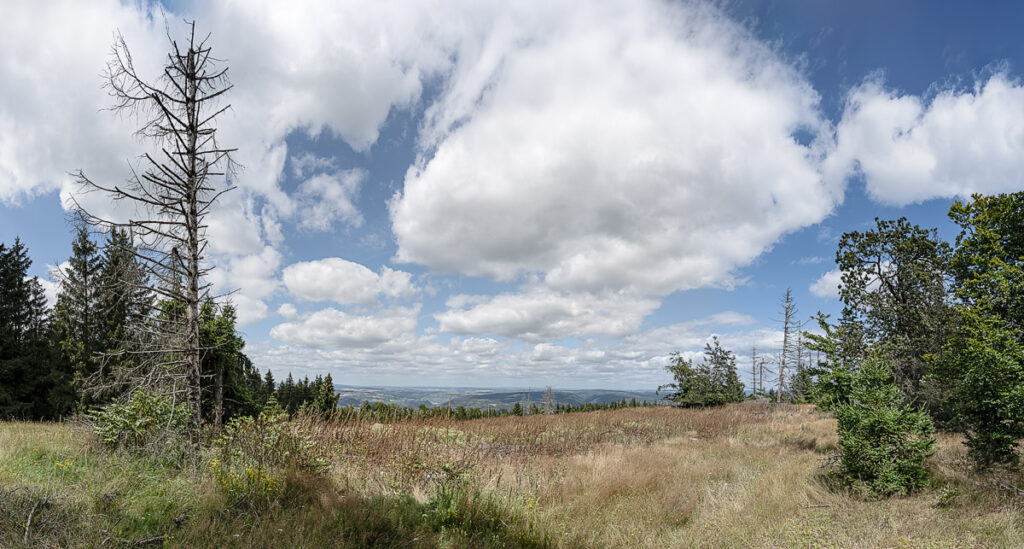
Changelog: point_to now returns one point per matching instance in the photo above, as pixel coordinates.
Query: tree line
(382, 411)
(78, 354)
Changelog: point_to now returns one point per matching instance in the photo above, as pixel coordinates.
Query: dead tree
(549, 401)
(753, 370)
(789, 324)
(169, 193)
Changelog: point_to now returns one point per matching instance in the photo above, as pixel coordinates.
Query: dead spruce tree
(169, 193)
(790, 326)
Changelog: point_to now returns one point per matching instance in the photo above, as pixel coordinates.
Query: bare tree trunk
(218, 397)
(753, 369)
(788, 312)
(192, 241)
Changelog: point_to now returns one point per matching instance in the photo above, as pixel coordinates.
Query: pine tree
(171, 192)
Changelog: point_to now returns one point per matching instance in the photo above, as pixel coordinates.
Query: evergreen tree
(722, 363)
(231, 386)
(268, 388)
(884, 445)
(713, 382)
(325, 400)
(839, 347)
(78, 320)
(31, 383)
(125, 303)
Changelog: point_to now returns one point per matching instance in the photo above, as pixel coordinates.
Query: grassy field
(739, 476)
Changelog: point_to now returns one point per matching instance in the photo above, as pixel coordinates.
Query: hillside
(739, 476)
(481, 398)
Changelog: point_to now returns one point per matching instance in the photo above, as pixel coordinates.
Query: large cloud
(50, 101)
(634, 145)
(633, 148)
(331, 328)
(541, 314)
(325, 66)
(345, 282)
(910, 149)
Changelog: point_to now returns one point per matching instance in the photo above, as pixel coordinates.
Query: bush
(149, 421)
(256, 458)
(884, 445)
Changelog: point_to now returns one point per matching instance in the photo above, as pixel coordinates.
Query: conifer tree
(32, 384)
(78, 320)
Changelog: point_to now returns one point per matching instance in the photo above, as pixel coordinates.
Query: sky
(523, 194)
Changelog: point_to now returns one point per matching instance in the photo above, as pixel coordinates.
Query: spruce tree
(125, 302)
(78, 322)
(32, 386)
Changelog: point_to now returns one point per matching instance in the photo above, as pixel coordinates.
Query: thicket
(712, 382)
(255, 458)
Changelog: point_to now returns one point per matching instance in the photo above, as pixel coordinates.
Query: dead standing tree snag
(171, 191)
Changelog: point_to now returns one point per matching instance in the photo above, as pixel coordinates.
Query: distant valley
(471, 397)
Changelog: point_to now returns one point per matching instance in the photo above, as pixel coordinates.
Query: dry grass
(739, 476)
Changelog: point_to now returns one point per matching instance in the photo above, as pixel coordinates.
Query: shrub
(148, 421)
(255, 458)
(884, 445)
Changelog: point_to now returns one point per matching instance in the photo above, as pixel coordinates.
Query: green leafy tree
(983, 364)
(894, 284)
(989, 256)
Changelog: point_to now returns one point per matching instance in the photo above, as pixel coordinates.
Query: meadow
(743, 475)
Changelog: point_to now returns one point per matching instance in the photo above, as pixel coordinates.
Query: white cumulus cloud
(633, 146)
(910, 149)
(327, 198)
(542, 314)
(331, 328)
(345, 282)
(828, 285)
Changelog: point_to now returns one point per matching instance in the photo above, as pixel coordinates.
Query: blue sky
(494, 195)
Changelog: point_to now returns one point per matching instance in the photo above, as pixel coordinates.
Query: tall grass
(739, 476)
